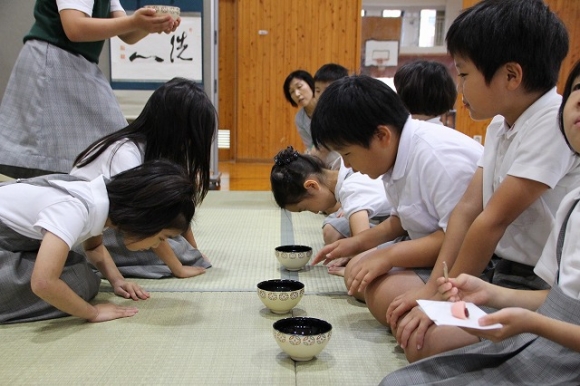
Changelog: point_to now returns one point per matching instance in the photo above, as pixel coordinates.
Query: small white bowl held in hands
(280, 295)
(293, 257)
(163, 10)
(302, 338)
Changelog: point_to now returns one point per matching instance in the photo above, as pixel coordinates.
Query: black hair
(495, 32)
(574, 73)
(351, 110)
(288, 174)
(151, 197)
(330, 72)
(178, 123)
(298, 74)
(426, 87)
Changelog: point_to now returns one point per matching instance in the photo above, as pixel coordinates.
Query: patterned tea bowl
(293, 257)
(302, 338)
(280, 295)
(163, 10)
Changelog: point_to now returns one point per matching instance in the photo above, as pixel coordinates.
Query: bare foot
(336, 267)
(337, 271)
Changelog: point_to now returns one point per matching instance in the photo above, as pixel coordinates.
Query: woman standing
(57, 100)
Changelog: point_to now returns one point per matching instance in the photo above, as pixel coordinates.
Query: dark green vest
(47, 27)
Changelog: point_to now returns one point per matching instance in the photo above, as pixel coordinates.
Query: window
(421, 27)
(392, 13)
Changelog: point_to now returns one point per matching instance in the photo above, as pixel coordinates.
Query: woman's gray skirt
(17, 301)
(55, 105)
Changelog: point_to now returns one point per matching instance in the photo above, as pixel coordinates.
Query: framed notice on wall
(158, 58)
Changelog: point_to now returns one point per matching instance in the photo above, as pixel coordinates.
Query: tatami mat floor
(211, 329)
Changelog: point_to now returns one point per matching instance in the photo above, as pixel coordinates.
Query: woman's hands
(147, 20)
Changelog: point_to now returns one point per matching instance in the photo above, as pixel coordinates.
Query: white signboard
(160, 57)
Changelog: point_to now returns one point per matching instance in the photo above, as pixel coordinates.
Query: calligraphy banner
(160, 57)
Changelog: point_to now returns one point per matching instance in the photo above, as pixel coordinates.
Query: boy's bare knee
(330, 235)
(437, 340)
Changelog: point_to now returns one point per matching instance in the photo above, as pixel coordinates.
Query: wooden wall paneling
(356, 37)
(261, 64)
(226, 72)
(324, 37)
(246, 43)
(569, 12)
(264, 120)
(348, 42)
(294, 53)
(463, 121)
(274, 100)
(332, 17)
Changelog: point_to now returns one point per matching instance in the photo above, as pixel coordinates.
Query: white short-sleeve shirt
(356, 192)
(35, 210)
(535, 149)
(85, 6)
(547, 267)
(433, 168)
(122, 155)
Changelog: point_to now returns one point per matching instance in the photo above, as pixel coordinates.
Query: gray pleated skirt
(146, 264)
(525, 359)
(55, 105)
(17, 301)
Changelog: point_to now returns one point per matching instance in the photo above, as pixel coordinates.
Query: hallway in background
(244, 176)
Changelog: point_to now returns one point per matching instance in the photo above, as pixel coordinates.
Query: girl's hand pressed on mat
(110, 311)
(186, 271)
(128, 289)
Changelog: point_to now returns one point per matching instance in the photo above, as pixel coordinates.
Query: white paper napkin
(440, 313)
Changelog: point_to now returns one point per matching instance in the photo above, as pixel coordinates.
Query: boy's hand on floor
(342, 248)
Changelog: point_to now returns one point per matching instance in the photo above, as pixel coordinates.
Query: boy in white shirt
(301, 182)
(539, 340)
(426, 88)
(426, 170)
(527, 168)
